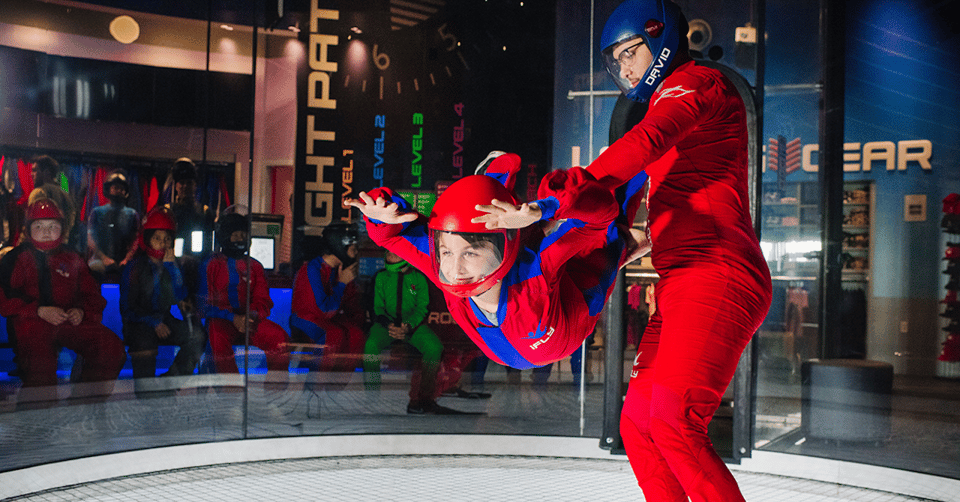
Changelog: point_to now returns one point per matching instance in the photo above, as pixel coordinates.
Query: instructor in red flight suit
(52, 301)
(714, 289)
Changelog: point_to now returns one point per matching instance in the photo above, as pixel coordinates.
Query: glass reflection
(290, 383)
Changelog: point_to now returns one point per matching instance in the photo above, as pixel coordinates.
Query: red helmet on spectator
(160, 218)
(456, 240)
(44, 209)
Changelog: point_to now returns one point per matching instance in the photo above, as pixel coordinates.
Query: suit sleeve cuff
(548, 207)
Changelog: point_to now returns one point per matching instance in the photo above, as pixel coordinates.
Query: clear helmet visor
(628, 62)
(465, 259)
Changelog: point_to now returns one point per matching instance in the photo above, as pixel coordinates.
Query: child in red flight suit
(526, 297)
(223, 300)
(326, 305)
(52, 301)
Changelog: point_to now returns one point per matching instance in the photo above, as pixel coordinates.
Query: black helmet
(337, 238)
(116, 177)
(226, 226)
(183, 169)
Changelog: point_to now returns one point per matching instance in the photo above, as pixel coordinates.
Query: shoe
(950, 223)
(458, 392)
(951, 349)
(502, 167)
(953, 227)
(432, 408)
(951, 204)
(485, 163)
(950, 298)
(952, 312)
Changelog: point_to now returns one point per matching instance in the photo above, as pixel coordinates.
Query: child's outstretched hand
(380, 209)
(505, 215)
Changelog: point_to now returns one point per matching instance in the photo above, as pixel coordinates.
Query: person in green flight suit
(400, 299)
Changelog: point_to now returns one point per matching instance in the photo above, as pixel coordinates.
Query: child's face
(464, 263)
(45, 230)
(161, 240)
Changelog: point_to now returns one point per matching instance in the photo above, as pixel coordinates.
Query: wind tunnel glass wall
(418, 104)
(199, 344)
(881, 401)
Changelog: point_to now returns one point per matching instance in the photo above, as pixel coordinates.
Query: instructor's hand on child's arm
(505, 215)
(381, 210)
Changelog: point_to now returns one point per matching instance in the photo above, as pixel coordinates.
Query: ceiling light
(125, 29)
(227, 27)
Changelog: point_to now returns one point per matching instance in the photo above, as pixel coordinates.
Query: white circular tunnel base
(74, 472)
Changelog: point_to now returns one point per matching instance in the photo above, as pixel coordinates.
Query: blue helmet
(655, 23)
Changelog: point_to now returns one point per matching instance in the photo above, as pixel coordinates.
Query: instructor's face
(634, 58)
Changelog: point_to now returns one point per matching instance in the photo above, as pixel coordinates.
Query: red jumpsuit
(714, 289)
(223, 293)
(330, 313)
(58, 278)
(553, 294)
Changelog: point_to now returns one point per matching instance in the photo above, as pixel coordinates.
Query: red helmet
(44, 209)
(452, 232)
(160, 218)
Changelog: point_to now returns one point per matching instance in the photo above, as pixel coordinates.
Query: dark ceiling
(221, 11)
